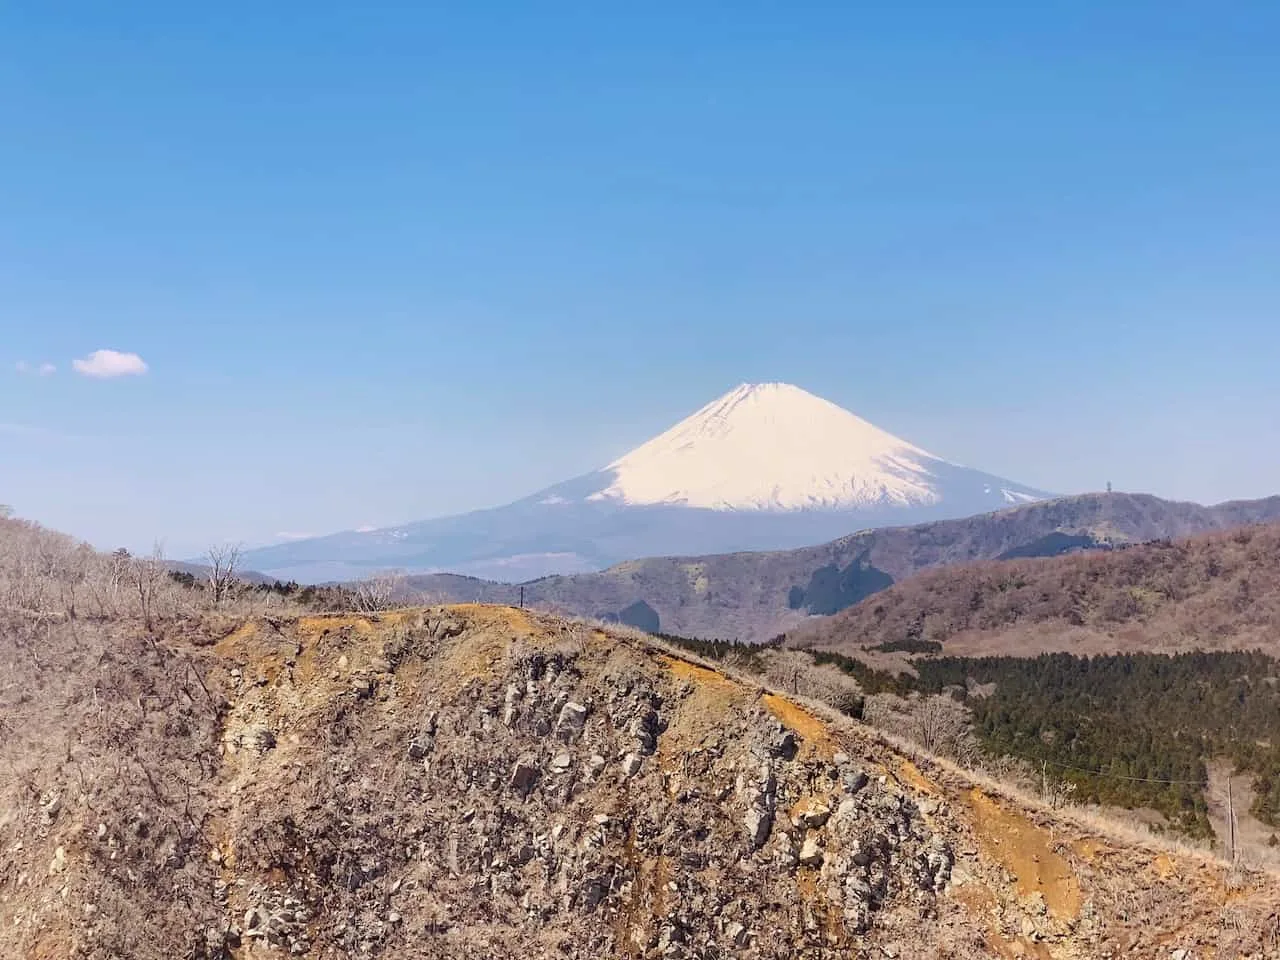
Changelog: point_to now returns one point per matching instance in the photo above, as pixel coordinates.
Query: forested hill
(1127, 730)
(1217, 591)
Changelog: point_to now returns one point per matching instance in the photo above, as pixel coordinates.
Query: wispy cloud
(36, 433)
(366, 529)
(26, 430)
(285, 535)
(35, 369)
(105, 364)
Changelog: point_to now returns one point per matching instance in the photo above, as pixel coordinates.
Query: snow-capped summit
(766, 466)
(772, 446)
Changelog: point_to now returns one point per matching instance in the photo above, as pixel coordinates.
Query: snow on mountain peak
(773, 446)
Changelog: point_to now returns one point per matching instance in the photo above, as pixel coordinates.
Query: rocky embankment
(481, 782)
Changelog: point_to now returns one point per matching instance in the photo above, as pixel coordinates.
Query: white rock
(812, 815)
(758, 824)
(573, 717)
(736, 934)
(810, 852)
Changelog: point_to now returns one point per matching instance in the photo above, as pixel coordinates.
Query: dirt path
(1252, 835)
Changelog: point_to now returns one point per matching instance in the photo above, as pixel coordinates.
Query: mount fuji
(766, 466)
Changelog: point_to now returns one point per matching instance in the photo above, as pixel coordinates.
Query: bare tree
(942, 725)
(147, 577)
(223, 559)
(40, 570)
(1057, 793)
(380, 591)
(939, 722)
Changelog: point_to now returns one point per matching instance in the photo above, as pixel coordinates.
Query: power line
(1113, 776)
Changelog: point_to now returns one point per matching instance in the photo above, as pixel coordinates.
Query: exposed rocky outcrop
(571, 791)
(479, 782)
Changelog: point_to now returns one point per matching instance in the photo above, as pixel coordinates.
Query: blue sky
(386, 262)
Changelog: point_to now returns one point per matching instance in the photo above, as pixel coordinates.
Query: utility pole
(1231, 820)
(522, 598)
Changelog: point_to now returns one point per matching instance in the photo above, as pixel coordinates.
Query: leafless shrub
(49, 576)
(796, 673)
(223, 560)
(1234, 877)
(40, 571)
(573, 641)
(1058, 793)
(380, 591)
(148, 576)
(739, 661)
(942, 725)
(108, 581)
(938, 723)
(97, 720)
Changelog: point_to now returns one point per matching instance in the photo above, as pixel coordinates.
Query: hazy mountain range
(764, 467)
(754, 596)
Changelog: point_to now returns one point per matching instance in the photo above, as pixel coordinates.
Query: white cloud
(367, 528)
(46, 370)
(285, 535)
(22, 366)
(110, 363)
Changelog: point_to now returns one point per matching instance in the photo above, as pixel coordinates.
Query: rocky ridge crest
(482, 782)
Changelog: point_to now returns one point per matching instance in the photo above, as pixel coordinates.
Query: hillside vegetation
(1218, 591)
(47, 575)
(1127, 673)
(1125, 730)
(755, 596)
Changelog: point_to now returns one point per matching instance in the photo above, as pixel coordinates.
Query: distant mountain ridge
(754, 596)
(1217, 590)
(766, 466)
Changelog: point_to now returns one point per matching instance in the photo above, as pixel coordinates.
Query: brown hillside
(755, 596)
(1218, 591)
(480, 782)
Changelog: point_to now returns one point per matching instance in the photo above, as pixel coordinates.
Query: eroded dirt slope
(481, 782)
